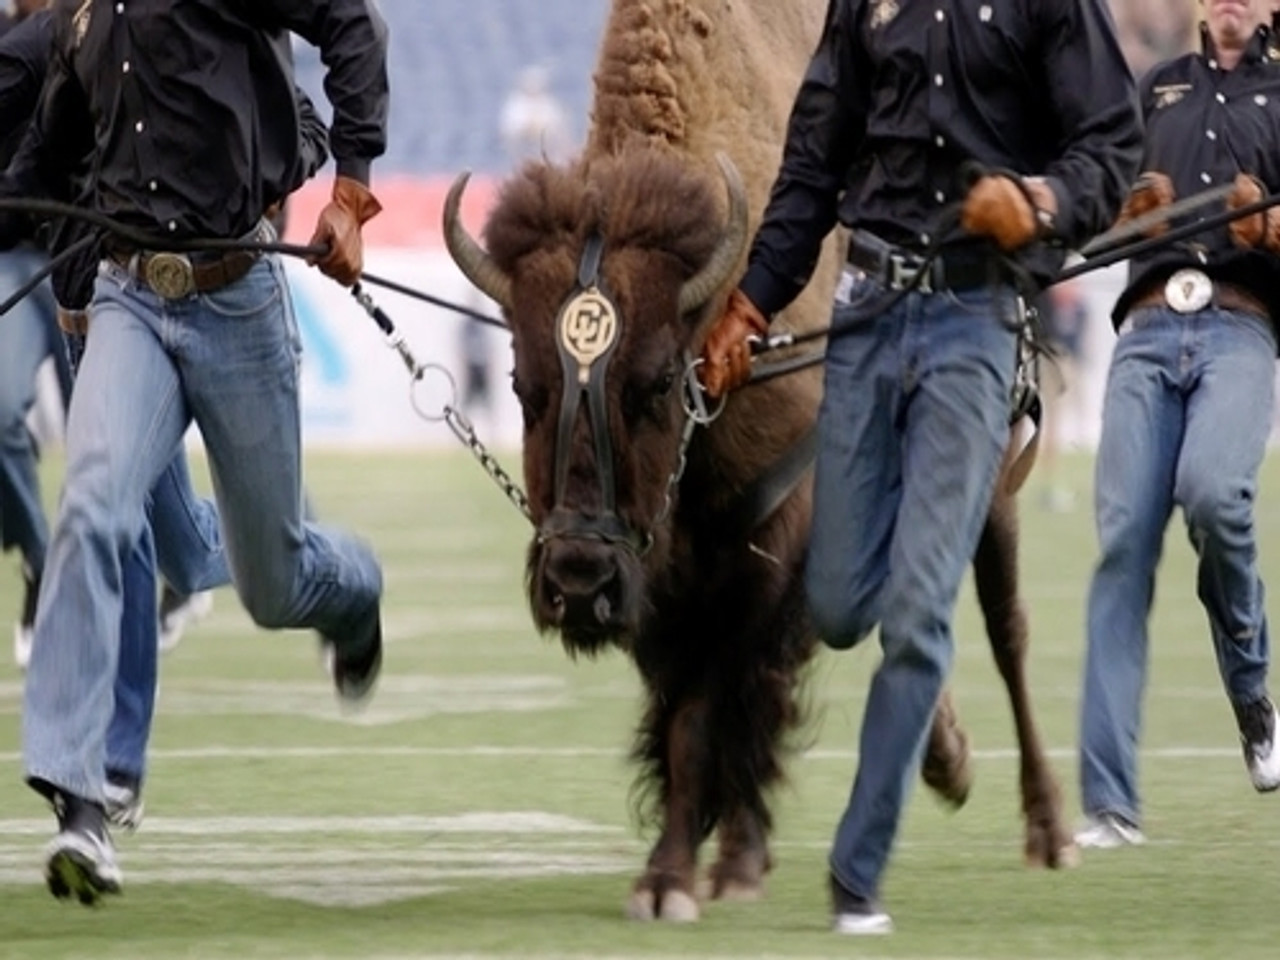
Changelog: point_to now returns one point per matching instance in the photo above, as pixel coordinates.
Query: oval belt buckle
(1188, 291)
(170, 275)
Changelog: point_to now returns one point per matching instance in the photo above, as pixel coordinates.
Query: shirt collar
(1254, 52)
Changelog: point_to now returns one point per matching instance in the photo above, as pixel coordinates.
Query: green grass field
(480, 807)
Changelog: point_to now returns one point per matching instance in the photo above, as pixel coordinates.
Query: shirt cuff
(763, 288)
(355, 168)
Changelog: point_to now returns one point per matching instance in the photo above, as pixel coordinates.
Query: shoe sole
(878, 925)
(71, 873)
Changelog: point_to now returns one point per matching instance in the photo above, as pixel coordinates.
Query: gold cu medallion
(588, 327)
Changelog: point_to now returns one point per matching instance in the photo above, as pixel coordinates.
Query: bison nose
(581, 585)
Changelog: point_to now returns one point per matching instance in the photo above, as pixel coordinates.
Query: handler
(1188, 409)
(915, 416)
(196, 149)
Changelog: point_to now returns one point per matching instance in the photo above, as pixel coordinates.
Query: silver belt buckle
(1188, 291)
(170, 275)
(902, 276)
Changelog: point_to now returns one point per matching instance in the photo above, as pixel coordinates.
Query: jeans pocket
(257, 292)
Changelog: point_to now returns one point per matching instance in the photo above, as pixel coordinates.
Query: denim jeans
(912, 428)
(188, 539)
(1185, 421)
(229, 360)
(28, 336)
(190, 555)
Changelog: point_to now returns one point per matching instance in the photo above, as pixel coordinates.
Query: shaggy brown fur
(713, 614)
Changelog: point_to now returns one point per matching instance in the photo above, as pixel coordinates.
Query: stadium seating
(452, 64)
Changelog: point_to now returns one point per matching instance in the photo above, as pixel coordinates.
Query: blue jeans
(912, 428)
(1185, 421)
(188, 540)
(28, 336)
(229, 360)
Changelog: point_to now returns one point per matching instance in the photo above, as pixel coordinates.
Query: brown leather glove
(998, 208)
(350, 208)
(1151, 190)
(726, 355)
(1259, 229)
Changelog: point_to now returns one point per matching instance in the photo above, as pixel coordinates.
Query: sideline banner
(356, 388)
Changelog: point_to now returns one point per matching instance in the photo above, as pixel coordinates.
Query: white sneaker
(1258, 722)
(873, 923)
(856, 916)
(25, 630)
(123, 803)
(23, 635)
(1106, 831)
(177, 612)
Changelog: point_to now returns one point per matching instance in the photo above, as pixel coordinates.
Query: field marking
(481, 751)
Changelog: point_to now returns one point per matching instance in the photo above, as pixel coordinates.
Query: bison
(683, 546)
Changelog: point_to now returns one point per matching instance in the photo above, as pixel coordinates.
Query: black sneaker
(24, 632)
(857, 916)
(124, 807)
(80, 861)
(355, 668)
(1257, 722)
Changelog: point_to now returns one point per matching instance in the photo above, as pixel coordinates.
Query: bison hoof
(735, 891)
(1051, 847)
(676, 906)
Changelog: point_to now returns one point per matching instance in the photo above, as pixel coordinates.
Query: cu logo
(588, 328)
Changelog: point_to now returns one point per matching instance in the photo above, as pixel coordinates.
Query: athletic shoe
(179, 611)
(1106, 831)
(856, 916)
(355, 671)
(124, 806)
(80, 861)
(1258, 721)
(24, 632)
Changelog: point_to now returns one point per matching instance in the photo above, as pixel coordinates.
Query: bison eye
(663, 385)
(533, 401)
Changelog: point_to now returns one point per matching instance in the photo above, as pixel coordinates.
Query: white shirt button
(119, 8)
(1206, 178)
(153, 186)
(1220, 97)
(924, 238)
(1211, 135)
(940, 196)
(139, 126)
(124, 67)
(939, 141)
(937, 79)
(173, 225)
(939, 15)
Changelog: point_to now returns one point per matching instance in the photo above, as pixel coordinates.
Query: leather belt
(897, 268)
(177, 275)
(1224, 296)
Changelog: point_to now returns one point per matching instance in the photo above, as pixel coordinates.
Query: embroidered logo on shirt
(1170, 93)
(80, 23)
(882, 11)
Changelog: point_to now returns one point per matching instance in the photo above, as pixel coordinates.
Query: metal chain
(673, 481)
(464, 431)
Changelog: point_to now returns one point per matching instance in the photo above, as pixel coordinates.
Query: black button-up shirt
(187, 107)
(1205, 125)
(901, 93)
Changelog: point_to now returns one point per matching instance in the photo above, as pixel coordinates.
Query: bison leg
(948, 770)
(665, 891)
(1048, 841)
(738, 873)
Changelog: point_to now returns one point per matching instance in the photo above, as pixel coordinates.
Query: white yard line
(481, 751)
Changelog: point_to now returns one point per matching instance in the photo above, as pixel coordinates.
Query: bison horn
(472, 259)
(701, 287)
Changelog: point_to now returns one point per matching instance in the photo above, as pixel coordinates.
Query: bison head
(603, 270)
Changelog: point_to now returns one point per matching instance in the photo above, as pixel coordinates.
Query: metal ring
(445, 407)
(694, 394)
